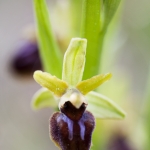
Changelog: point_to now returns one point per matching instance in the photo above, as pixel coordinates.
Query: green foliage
(109, 9)
(50, 53)
(146, 114)
(96, 16)
(90, 29)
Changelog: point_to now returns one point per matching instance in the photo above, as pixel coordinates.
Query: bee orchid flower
(72, 126)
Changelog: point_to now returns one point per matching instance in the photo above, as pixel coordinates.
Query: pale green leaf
(110, 7)
(103, 107)
(49, 51)
(55, 85)
(88, 85)
(74, 61)
(43, 98)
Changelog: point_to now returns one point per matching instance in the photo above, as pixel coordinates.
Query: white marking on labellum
(74, 96)
(82, 128)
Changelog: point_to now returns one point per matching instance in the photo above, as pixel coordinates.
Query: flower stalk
(73, 96)
(90, 29)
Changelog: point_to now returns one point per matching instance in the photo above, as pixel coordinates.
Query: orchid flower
(75, 99)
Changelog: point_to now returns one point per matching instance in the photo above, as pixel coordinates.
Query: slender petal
(55, 85)
(90, 84)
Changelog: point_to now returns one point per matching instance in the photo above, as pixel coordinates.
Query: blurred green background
(126, 54)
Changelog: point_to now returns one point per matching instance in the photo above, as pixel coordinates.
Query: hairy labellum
(71, 129)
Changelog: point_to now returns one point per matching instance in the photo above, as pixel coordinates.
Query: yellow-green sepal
(74, 61)
(88, 85)
(55, 85)
(43, 98)
(103, 107)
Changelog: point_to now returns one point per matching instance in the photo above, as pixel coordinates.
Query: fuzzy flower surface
(73, 67)
(73, 97)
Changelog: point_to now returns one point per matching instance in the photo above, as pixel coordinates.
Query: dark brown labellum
(71, 129)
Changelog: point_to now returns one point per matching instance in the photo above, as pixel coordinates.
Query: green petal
(90, 84)
(103, 107)
(55, 85)
(74, 61)
(43, 98)
(49, 51)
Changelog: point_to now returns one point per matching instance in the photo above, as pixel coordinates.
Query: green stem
(146, 113)
(90, 30)
(75, 18)
(49, 51)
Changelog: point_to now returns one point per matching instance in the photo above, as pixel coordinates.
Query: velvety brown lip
(72, 134)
